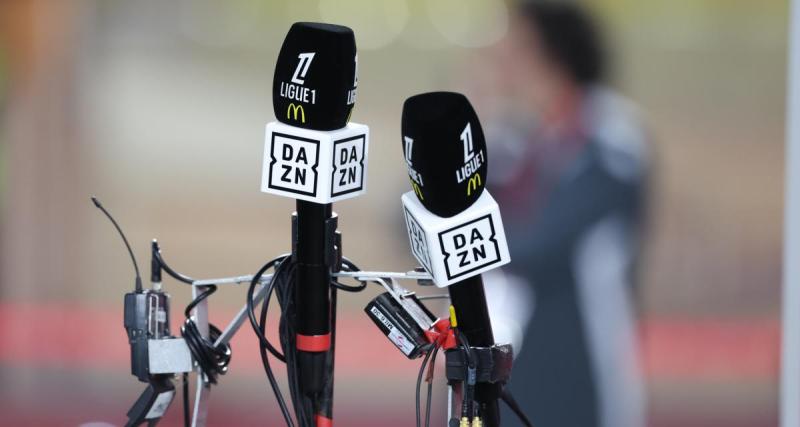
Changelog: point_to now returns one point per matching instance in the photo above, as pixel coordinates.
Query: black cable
(332, 353)
(419, 380)
(213, 360)
(512, 403)
(264, 343)
(348, 265)
(469, 389)
(283, 285)
(177, 276)
(430, 388)
(280, 287)
(124, 239)
(347, 288)
(203, 295)
(251, 305)
(284, 291)
(186, 420)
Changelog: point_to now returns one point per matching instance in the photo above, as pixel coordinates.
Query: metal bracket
(388, 280)
(168, 356)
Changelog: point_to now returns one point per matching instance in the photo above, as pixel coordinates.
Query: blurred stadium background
(158, 109)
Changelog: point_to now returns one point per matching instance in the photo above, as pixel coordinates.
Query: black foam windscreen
(445, 151)
(316, 76)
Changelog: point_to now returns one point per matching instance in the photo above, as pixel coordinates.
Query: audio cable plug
(155, 266)
(464, 422)
(476, 422)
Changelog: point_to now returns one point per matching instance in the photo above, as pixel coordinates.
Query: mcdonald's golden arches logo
(473, 183)
(295, 108)
(416, 188)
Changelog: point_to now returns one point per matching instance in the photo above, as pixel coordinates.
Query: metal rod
(370, 275)
(236, 280)
(790, 360)
(426, 297)
(241, 316)
(202, 389)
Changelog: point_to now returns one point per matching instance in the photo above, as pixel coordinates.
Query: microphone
(314, 155)
(315, 80)
(313, 152)
(454, 225)
(445, 151)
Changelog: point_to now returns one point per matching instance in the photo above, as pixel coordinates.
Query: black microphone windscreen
(316, 76)
(445, 151)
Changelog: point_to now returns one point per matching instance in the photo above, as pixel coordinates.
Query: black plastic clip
(493, 364)
(294, 237)
(333, 244)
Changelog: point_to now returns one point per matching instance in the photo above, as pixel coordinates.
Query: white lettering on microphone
(351, 94)
(472, 160)
(470, 167)
(408, 149)
(295, 91)
(298, 93)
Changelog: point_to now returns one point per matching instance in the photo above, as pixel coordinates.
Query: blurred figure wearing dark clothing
(569, 172)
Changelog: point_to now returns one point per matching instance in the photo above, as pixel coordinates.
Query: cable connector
(155, 265)
(464, 422)
(476, 422)
(471, 375)
(453, 319)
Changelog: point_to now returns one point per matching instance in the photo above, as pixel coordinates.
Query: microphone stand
(313, 304)
(469, 301)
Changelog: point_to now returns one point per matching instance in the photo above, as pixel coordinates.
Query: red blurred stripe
(711, 348)
(82, 336)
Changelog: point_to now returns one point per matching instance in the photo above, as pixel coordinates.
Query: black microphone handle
(312, 292)
(469, 302)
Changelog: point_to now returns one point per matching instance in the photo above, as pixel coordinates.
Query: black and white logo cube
(314, 165)
(348, 165)
(469, 247)
(293, 164)
(418, 240)
(455, 248)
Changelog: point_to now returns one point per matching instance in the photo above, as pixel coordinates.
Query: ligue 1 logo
(472, 162)
(416, 178)
(469, 247)
(295, 91)
(302, 67)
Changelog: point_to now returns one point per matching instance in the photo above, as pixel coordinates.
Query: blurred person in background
(569, 173)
